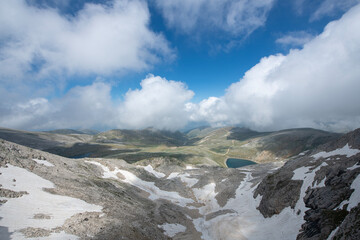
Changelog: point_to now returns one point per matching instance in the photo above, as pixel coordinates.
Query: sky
(174, 64)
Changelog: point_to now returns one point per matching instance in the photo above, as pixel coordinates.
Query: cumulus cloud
(158, 103)
(99, 39)
(316, 86)
(82, 107)
(295, 39)
(236, 17)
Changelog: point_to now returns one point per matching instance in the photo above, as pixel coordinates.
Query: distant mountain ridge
(204, 145)
(142, 137)
(72, 131)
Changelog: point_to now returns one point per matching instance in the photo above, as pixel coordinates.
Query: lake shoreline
(238, 162)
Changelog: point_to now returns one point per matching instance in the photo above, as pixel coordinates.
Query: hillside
(72, 131)
(42, 140)
(315, 195)
(209, 146)
(144, 137)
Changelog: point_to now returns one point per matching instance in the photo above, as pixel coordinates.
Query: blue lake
(237, 162)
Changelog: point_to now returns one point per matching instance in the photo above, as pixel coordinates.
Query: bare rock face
(279, 192)
(335, 175)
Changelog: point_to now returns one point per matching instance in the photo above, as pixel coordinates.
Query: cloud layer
(295, 39)
(100, 39)
(158, 103)
(237, 17)
(313, 87)
(331, 7)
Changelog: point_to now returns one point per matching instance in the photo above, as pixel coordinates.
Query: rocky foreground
(314, 195)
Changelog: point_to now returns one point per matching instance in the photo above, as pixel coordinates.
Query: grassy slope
(200, 146)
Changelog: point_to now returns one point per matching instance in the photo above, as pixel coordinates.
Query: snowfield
(172, 229)
(20, 213)
(346, 150)
(149, 187)
(43, 162)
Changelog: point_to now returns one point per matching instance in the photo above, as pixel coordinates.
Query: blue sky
(170, 64)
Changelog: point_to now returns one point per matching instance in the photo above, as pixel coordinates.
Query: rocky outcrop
(334, 168)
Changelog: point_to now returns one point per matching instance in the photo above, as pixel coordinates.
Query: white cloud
(159, 103)
(316, 86)
(330, 7)
(82, 107)
(295, 39)
(100, 39)
(237, 17)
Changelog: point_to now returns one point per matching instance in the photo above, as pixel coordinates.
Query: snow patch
(207, 196)
(300, 173)
(18, 213)
(172, 229)
(188, 181)
(173, 175)
(346, 150)
(307, 175)
(107, 173)
(354, 199)
(151, 170)
(43, 162)
(332, 234)
(245, 221)
(353, 167)
(321, 184)
(189, 167)
(149, 187)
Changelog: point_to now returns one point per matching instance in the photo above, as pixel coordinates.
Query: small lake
(237, 162)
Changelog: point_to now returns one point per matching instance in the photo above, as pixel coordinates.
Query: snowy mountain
(314, 195)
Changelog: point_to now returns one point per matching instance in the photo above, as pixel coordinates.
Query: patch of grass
(220, 149)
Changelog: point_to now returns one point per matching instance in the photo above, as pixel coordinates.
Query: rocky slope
(42, 140)
(267, 146)
(315, 195)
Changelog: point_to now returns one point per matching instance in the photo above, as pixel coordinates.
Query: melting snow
(346, 150)
(353, 167)
(173, 175)
(332, 234)
(149, 187)
(43, 162)
(18, 213)
(321, 184)
(151, 170)
(172, 229)
(188, 181)
(184, 178)
(243, 221)
(189, 167)
(246, 222)
(354, 199)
